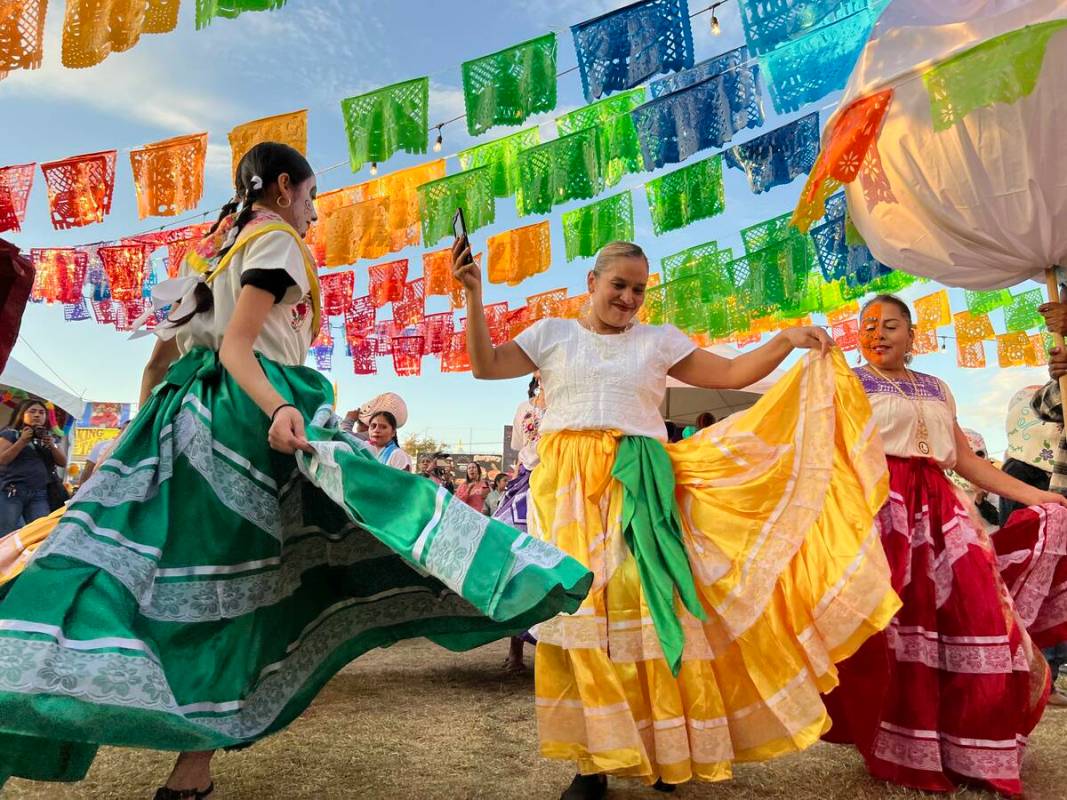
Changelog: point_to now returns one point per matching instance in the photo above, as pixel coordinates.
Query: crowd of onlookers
(377, 422)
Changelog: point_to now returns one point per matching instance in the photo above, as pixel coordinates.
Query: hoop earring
(288, 201)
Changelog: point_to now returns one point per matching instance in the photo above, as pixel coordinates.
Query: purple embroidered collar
(924, 387)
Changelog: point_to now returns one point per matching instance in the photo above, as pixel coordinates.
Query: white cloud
(219, 161)
(561, 14)
(982, 400)
(321, 46)
(140, 85)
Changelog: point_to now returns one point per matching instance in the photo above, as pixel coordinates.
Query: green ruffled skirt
(202, 588)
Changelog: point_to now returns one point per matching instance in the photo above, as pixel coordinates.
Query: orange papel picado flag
(359, 230)
(80, 188)
(21, 34)
(290, 129)
(168, 176)
(517, 254)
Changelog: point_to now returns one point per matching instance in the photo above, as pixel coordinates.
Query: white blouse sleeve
(400, 460)
(534, 340)
(279, 250)
(674, 345)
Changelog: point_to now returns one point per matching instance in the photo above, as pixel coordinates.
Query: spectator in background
(983, 501)
(354, 425)
(492, 500)
(29, 455)
(705, 420)
(475, 489)
(1047, 405)
(426, 467)
(381, 435)
(443, 473)
(514, 504)
(1031, 446)
(675, 433)
(357, 421)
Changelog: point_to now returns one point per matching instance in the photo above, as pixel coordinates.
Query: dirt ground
(419, 723)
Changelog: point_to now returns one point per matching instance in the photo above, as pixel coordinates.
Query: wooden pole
(1057, 338)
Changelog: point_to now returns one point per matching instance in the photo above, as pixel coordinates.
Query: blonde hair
(614, 250)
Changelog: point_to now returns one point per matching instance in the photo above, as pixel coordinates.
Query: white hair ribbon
(180, 294)
(256, 183)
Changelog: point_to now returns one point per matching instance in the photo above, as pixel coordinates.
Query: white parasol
(949, 140)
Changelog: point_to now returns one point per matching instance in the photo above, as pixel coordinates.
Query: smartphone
(459, 228)
(459, 224)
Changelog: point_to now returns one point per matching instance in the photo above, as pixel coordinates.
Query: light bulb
(373, 168)
(439, 143)
(715, 24)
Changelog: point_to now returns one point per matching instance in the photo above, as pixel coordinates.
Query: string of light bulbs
(439, 141)
(437, 147)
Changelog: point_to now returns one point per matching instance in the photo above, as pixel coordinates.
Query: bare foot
(514, 666)
(1057, 698)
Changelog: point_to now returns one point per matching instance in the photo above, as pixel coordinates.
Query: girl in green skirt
(237, 549)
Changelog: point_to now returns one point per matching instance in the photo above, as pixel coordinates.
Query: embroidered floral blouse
(897, 416)
(1030, 439)
(526, 432)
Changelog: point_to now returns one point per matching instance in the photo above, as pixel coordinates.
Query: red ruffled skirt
(949, 692)
(1032, 557)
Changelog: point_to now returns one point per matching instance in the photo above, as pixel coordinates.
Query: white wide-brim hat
(389, 401)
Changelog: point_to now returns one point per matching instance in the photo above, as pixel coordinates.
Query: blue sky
(312, 54)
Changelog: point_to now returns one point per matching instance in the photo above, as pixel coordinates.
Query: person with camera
(29, 455)
(438, 470)
(475, 489)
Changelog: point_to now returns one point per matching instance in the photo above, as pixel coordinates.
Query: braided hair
(258, 170)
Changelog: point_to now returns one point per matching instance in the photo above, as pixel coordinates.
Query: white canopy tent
(18, 376)
(683, 403)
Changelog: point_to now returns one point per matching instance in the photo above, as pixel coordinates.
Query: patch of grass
(419, 723)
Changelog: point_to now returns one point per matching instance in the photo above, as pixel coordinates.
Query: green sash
(653, 531)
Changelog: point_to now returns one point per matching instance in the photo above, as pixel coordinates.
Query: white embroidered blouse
(897, 416)
(286, 334)
(597, 382)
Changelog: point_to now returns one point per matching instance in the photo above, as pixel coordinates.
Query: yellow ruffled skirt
(778, 507)
(18, 547)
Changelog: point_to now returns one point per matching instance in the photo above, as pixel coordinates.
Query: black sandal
(586, 787)
(163, 793)
(666, 788)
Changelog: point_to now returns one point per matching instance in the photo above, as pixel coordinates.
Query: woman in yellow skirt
(732, 570)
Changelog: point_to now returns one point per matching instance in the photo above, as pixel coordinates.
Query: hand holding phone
(459, 228)
(464, 269)
(459, 224)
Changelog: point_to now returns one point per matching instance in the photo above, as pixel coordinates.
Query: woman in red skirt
(950, 691)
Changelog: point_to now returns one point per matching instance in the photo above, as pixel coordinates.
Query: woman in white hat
(357, 420)
(381, 435)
